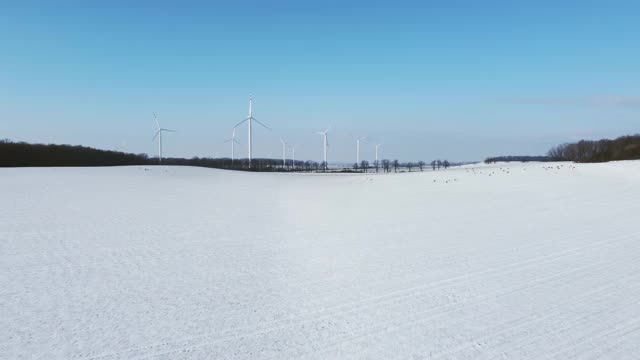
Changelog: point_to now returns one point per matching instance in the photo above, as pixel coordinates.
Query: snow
(518, 261)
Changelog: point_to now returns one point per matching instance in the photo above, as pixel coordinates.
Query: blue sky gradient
(461, 80)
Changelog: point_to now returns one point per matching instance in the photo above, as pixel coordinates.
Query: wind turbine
(293, 156)
(284, 152)
(326, 144)
(159, 136)
(233, 141)
(250, 119)
(358, 149)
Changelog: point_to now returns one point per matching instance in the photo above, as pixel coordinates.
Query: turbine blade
(238, 124)
(156, 135)
(155, 117)
(168, 130)
(265, 126)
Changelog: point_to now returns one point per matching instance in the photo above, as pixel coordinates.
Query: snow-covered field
(520, 261)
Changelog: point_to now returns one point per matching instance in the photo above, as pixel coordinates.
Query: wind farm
(409, 180)
(268, 164)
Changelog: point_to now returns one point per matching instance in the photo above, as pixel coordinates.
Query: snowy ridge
(519, 261)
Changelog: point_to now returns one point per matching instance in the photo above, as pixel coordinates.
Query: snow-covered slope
(520, 261)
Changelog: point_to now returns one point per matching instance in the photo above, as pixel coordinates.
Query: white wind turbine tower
(326, 144)
(250, 119)
(358, 149)
(159, 136)
(293, 156)
(284, 152)
(233, 142)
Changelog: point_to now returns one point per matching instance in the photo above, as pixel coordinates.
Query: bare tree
(421, 165)
(396, 163)
(364, 165)
(386, 164)
(433, 165)
(445, 164)
(409, 165)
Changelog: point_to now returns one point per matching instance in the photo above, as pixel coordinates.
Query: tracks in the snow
(239, 335)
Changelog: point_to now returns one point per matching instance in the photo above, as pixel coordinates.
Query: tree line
(386, 165)
(622, 148)
(21, 154)
(587, 151)
(518, 159)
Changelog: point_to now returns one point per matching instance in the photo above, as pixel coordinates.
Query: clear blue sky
(433, 79)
